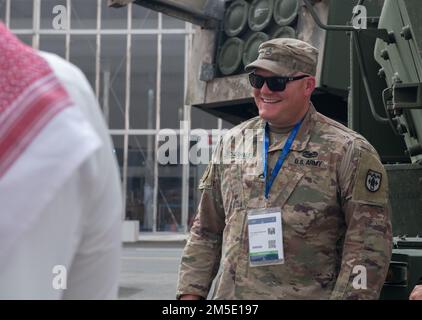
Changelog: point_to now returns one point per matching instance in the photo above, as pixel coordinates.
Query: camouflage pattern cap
(285, 57)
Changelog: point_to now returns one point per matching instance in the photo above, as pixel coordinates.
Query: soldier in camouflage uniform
(332, 191)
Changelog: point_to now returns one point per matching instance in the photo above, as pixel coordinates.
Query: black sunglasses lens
(276, 83)
(256, 81)
(273, 83)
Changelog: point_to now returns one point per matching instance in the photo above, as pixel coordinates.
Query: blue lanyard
(281, 158)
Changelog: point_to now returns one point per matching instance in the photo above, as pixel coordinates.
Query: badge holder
(265, 237)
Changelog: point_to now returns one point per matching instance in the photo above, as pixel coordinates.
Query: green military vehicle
(369, 78)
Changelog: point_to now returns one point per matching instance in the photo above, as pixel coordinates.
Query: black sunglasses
(273, 83)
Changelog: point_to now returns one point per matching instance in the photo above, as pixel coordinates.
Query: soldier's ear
(310, 83)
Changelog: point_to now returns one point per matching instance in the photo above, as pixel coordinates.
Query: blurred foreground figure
(60, 196)
(416, 293)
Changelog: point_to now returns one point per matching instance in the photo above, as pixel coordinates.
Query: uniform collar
(303, 135)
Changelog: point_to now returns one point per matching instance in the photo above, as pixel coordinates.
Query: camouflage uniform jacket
(332, 191)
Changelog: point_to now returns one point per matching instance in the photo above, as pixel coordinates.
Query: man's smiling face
(287, 107)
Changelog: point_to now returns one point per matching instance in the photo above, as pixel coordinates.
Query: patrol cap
(286, 56)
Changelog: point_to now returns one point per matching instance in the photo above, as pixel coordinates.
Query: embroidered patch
(310, 154)
(310, 162)
(371, 184)
(373, 181)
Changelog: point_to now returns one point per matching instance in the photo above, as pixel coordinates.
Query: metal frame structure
(126, 132)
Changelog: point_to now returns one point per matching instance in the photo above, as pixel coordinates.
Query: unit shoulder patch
(371, 184)
(373, 180)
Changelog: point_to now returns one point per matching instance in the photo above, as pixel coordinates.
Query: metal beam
(206, 13)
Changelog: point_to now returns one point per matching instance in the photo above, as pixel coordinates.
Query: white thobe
(61, 205)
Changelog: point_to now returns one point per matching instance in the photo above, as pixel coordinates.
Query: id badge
(265, 237)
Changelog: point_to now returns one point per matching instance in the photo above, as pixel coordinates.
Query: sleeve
(28, 272)
(95, 269)
(367, 245)
(202, 253)
(72, 251)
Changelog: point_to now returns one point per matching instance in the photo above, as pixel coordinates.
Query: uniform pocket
(246, 186)
(235, 192)
(283, 187)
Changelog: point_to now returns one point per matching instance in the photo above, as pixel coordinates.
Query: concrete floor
(149, 271)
